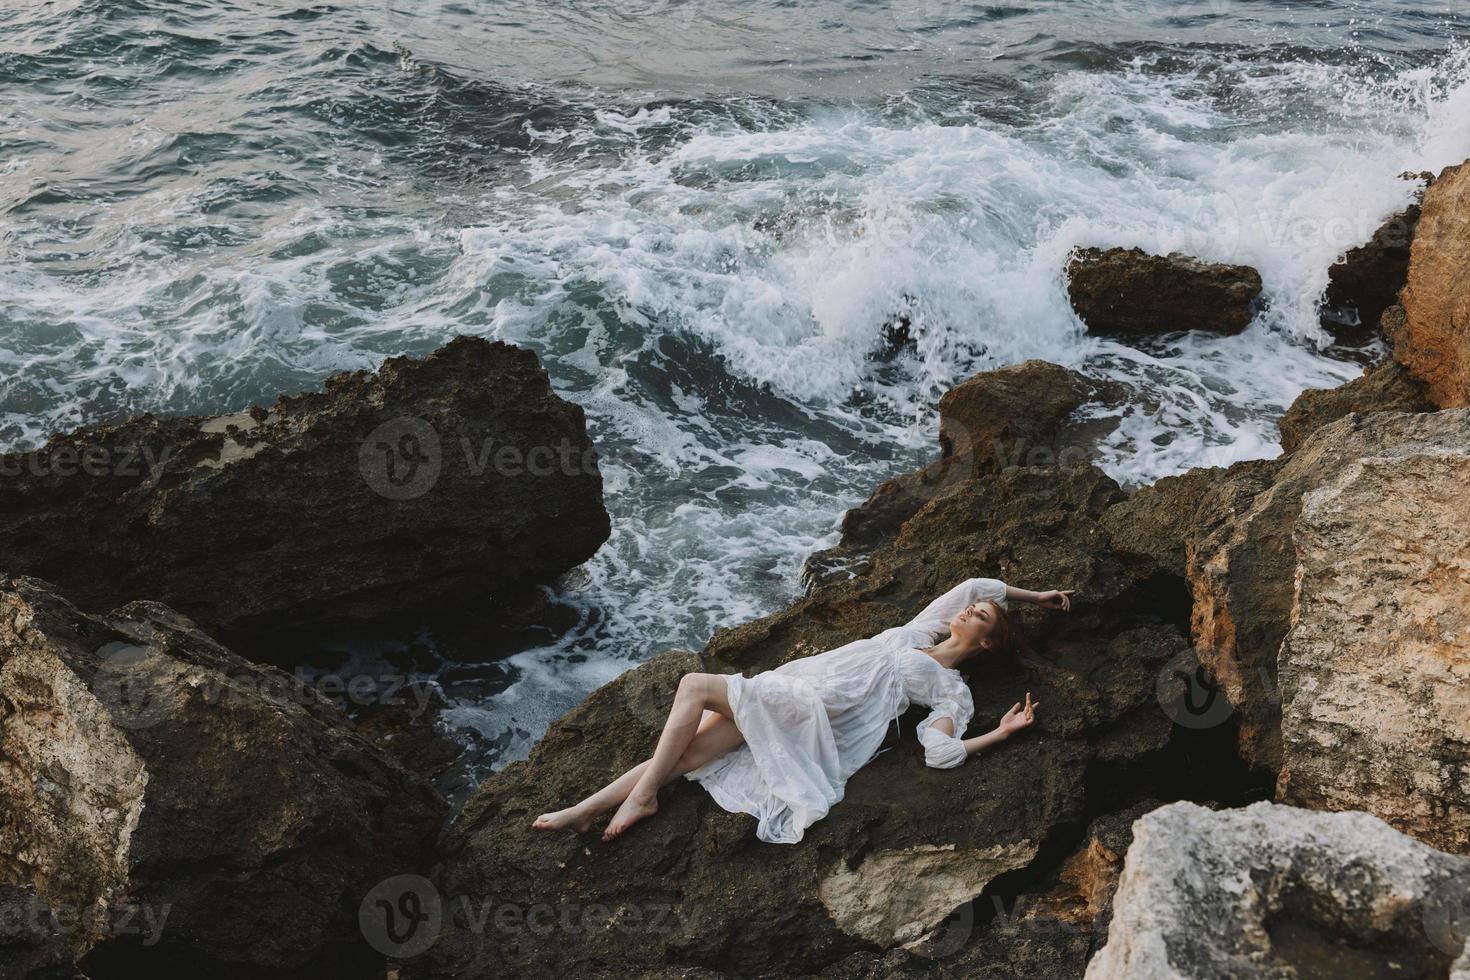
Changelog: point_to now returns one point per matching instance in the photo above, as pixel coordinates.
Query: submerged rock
(1430, 333)
(1375, 671)
(1271, 892)
(190, 813)
(423, 487)
(1385, 387)
(1126, 292)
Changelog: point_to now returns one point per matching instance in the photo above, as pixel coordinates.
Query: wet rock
(193, 813)
(1431, 334)
(1367, 280)
(1149, 529)
(1273, 891)
(424, 487)
(938, 838)
(1375, 671)
(1021, 415)
(1242, 560)
(1128, 293)
(1385, 387)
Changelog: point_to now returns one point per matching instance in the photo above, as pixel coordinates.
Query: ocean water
(701, 215)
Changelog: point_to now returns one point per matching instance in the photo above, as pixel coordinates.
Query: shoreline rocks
(1367, 279)
(1375, 670)
(1272, 891)
(423, 487)
(1430, 329)
(189, 812)
(1128, 293)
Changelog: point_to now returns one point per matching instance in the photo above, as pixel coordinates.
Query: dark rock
(1022, 415)
(1129, 293)
(149, 768)
(1149, 529)
(1367, 280)
(1385, 387)
(927, 841)
(34, 941)
(425, 486)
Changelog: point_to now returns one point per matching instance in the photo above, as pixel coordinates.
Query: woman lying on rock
(781, 745)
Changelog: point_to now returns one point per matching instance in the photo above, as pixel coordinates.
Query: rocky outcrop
(428, 485)
(930, 840)
(1366, 280)
(1385, 387)
(1022, 415)
(1274, 892)
(1128, 293)
(1243, 561)
(1375, 671)
(187, 812)
(1149, 529)
(1430, 334)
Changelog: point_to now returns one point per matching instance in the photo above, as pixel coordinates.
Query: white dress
(811, 723)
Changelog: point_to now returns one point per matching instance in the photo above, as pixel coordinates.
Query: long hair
(1000, 634)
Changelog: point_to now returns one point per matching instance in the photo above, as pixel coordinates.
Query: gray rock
(1276, 893)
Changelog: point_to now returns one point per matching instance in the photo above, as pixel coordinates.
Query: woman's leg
(697, 693)
(715, 736)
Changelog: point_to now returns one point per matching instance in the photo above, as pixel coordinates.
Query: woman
(782, 744)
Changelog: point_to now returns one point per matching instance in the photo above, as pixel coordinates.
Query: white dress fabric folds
(811, 723)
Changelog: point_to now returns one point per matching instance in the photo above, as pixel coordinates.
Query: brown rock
(1129, 293)
(196, 814)
(1021, 415)
(1385, 387)
(1375, 671)
(427, 486)
(1243, 563)
(1432, 336)
(1149, 529)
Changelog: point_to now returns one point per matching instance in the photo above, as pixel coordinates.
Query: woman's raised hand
(1060, 599)
(1020, 716)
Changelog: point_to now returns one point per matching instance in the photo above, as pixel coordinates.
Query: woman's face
(973, 624)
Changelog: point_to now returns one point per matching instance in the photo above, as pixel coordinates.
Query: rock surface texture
(429, 484)
(1375, 671)
(1243, 561)
(151, 776)
(1126, 292)
(1385, 387)
(1431, 333)
(888, 883)
(1272, 892)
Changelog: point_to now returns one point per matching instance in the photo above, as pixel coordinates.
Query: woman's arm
(1019, 717)
(1053, 599)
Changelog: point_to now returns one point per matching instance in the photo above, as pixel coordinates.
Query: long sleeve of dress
(951, 701)
(934, 620)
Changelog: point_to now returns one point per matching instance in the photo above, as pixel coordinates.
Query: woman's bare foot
(572, 818)
(632, 811)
